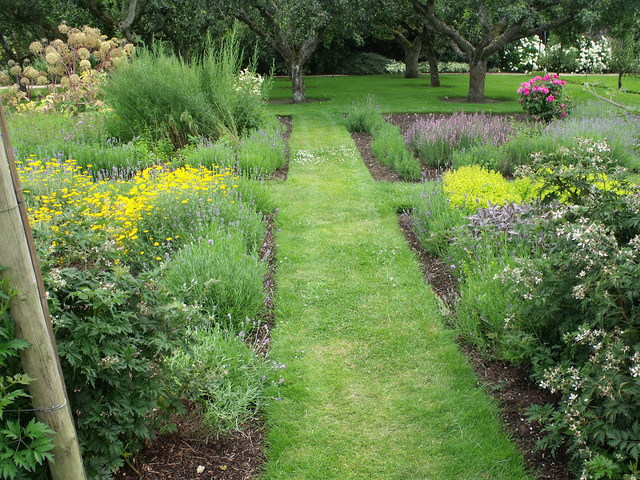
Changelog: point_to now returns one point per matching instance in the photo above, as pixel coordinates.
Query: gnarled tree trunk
(412, 57)
(430, 52)
(297, 83)
(477, 77)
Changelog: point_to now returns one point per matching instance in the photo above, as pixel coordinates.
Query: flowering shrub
(543, 98)
(74, 70)
(576, 309)
(524, 56)
(594, 55)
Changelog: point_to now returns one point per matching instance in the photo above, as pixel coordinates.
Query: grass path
(375, 387)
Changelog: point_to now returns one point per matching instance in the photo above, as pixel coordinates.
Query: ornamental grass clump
(543, 98)
(160, 96)
(436, 139)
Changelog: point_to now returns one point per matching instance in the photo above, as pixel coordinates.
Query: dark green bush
(113, 331)
(25, 444)
(365, 64)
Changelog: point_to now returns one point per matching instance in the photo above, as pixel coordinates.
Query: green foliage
(472, 187)
(435, 220)
(262, 152)
(366, 63)
(113, 331)
(218, 276)
(225, 375)
(363, 116)
(390, 149)
(160, 96)
(387, 142)
(25, 444)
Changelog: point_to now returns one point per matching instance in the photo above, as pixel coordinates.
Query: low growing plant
(219, 370)
(473, 187)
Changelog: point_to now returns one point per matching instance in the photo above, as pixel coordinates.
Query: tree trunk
(430, 52)
(297, 83)
(30, 314)
(412, 56)
(620, 80)
(477, 77)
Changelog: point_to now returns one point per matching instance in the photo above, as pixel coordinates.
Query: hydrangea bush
(543, 98)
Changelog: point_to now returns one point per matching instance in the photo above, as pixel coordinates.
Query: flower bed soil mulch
(190, 454)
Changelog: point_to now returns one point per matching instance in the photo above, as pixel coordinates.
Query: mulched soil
(190, 454)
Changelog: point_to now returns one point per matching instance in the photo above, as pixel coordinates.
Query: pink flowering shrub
(543, 98)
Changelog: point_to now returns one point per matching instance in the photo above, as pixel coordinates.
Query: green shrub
(473, 187)
(577, 317)
(113, 333)
(159, 96)
(435, 222)
(262, 152)
(217, 274)
(363, 116)
(390, 149)
(25, 444)
(366, 63)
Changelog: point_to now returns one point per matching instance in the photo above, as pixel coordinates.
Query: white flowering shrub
(524, 55)
(396, 67)
(594, 55)
(576, 308)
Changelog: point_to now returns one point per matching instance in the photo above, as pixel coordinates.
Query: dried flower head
(36, 48)
(31, 72)
(42, 80)
(85, 65)
(74, 79)
(25, 81)
(4, 78)
(53, 57)
(63, 28)
(83, 53)
(15, 70)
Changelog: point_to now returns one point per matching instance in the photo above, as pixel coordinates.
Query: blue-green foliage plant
(226, 375)
(25, 443)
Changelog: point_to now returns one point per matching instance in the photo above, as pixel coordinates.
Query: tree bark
(412, 56)
(30, 313)
(477, 77)
(297, 83)
(431, 58)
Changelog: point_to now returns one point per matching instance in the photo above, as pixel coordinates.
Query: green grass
(398, 94)
(375, 386)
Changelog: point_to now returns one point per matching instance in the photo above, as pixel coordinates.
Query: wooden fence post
(29, 311)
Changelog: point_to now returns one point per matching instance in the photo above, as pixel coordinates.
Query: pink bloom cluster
(538, 97)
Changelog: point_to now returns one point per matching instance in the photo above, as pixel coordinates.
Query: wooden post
(30, 313)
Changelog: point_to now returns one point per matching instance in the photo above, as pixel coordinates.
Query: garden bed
(509, 385)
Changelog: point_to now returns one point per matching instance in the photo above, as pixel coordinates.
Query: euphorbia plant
(543, 98)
